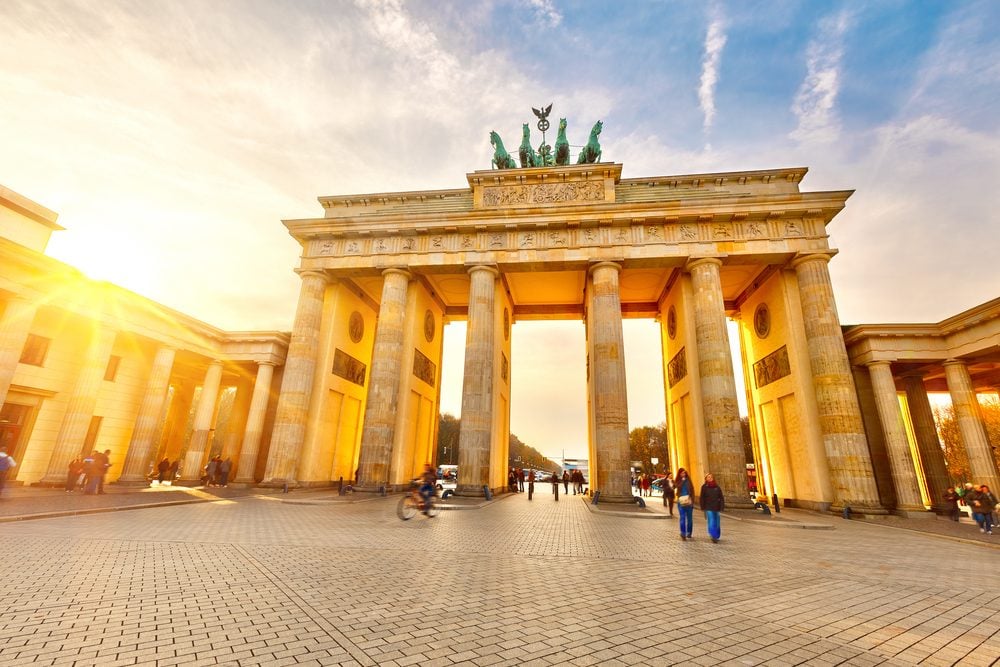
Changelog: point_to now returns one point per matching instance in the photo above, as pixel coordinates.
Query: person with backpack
(7, 463)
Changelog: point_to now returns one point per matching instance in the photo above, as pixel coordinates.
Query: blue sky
(172, 138)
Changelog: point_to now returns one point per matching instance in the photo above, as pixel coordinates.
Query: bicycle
(412, 502)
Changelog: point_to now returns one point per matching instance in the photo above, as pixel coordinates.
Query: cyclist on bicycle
(427, 483)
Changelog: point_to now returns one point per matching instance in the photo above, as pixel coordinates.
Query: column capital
(913, 375)
(953, 362)
(878, 363)
(483, 267)
(821, 255)
(695, 261)
(266, 363)
(397, 270)
(598, 265)
(312, 273)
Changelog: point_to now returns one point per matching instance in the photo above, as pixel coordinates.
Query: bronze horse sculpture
(501, 158)
(527, 154)
(562, 144)
(592, 151)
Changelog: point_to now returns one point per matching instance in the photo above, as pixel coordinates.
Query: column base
(475, 491)
(189, 482)
(914, 513)
(867, 510)
(619, 499)
(50, 482)
(278, 484)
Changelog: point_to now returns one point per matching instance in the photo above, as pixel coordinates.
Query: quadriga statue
(501, 158)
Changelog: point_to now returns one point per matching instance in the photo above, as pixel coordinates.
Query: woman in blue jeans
(684, 490)
(712, 503)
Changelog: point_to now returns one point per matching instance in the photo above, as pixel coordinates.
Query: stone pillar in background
(146, 432)
(15, 325)
(904, 473)
(851, 473)
(255, 423)
(80, 408)
(925, 431)
(193, 460)
(610, 398)
(476, 434)
(297, 383)
(379, 430)
(969, 415)
(726, 456)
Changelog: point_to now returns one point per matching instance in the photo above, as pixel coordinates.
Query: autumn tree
(956, 458)
(646, 443)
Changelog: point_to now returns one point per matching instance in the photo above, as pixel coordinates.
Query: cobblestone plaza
(311, 579)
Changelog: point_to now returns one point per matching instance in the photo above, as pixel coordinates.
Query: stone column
(904, 474)
(851, 472)
(296, 385)
(146, 433)
(255, 423)
(982, 466)
(925, 431)
(379, 432)
(726, 455)
(80, 408)
(610, 397)
(15, 325)
(476, 434)
(202, 428)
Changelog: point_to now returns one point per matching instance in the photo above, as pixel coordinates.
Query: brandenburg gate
(382, 273)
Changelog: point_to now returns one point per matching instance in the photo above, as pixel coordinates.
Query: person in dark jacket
(951, 502)
(712, 503)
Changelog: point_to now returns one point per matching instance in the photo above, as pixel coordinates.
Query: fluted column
(726, 454)
(476, 433)
(925, 431)
(15, 325)
(255, 423)
(847, 456)
(80, 407)
(982, 466)
(904, 473)
(610, 397)
(296, 385)
(202, 423)
(145, 434)
(379, 430)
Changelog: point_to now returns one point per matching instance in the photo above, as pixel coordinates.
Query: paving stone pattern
(258, 581)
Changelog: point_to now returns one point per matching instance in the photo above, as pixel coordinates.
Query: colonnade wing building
(357, 395)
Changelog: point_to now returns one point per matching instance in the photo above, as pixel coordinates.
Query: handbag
(684, 500)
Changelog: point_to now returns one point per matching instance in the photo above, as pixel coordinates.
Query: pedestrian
(520, 480)
(565, 479)
(712, 503)
(531, 483)
(983, 502)
(211, 471)
(7, 463)
(74, 474)
(90, 475)
(224, 469)
(174, 469)
(951, 502)
(162, 469)
(511, 481)
(685, 502)
(555, 484)
(668, 494)
(102, 465)
(647, 484)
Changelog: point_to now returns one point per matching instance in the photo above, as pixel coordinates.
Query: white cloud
(546, 12)
(814, 104)
(715, 41)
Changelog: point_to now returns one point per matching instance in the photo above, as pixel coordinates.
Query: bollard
(846, 513)
(597, 498)
(774, 501)
(340, 486)
(531, 489)
(284, 487)
(487, 494)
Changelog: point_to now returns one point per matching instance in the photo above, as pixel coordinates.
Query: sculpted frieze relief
(543, 193)
(670, 232)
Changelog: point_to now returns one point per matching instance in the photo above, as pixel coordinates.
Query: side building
(87, 365)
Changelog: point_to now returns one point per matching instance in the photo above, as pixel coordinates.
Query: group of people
(979, 499)
(217, 471)
(642, 484)
(516, 478)
(88, 473)
(680, 489)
